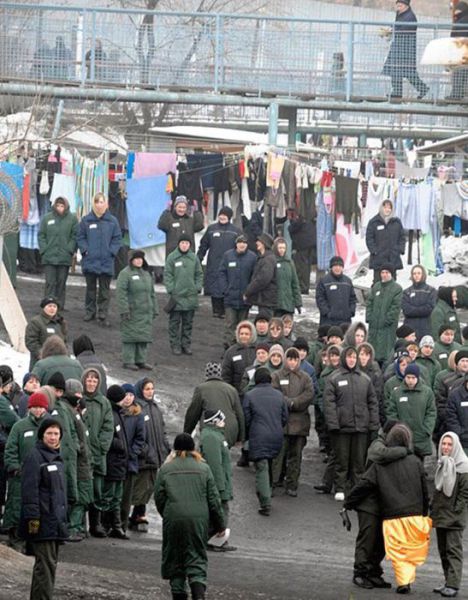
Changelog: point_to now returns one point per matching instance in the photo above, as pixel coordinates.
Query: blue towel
(130, 164)
(15, 172)
(146, 200)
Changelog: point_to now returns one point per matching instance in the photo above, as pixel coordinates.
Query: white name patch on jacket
(404, 399)
(342, 383)
(52, 468)
(284, 381)
(28, 434)
(236, 357)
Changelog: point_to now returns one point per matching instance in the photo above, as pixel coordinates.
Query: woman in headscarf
(402, 490)
(449, 510)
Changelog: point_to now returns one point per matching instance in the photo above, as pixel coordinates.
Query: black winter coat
(174, 226)
(117, 456)
(266, 415)
(303, 234)
(385, 242)
(262, 287)
(134, 423)
(235, 360)
(43, 494)
(456, 414)
(401, 487)
(417, 304)
(336, 299)
(234, 275)
(401, 57)
(156, 447)
(216, 240)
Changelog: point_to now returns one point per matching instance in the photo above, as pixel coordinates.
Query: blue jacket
(266, 415)
(43, 494)
(216, 240)
(336, 299)
(234, 276)
(99, 240)
(134, 423)
(310, 370)
(417, 303)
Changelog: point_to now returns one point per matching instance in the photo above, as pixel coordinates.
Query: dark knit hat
(213, 417)
(412, 369)
(213, 370)
(387, 267)
(445, 293)
(115, 393)
(463, 353)
(261, 316)
(6, 374)
(464, 332)
(266, 240)
(322, 331)
(136, 254)
(81, 344)
(28, 377)
(262, 375)
(184, 238)
(57, 380)
(226, 211)
(49, 300)
(445, 327)
(128, 388)
(336, 261)
(404, 330)
(301, 344)
(407, 2)
(38, 399)
(263, 346)
(45, 424)
(242, 238)
(73, 387)
(184, 442)
(335, 331)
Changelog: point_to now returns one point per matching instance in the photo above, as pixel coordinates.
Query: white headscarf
(449, 466)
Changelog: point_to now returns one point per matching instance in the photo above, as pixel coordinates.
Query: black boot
(198, 590)
(116, 530)
(244, 459)
(95, 527)
(179, 596)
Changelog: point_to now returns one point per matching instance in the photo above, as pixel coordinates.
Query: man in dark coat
(234, 274)
(352, 414)
(57, 245)
(99, 240)
(48, 322)
(401, 60)
(385, 240)
(217, 239)
(266, 415)
(240, 355)
(460, 74)
(262, 287)
(43, 520)
(304, 249)
(335, 295)
(178, 222)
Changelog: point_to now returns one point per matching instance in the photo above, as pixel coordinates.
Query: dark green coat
(100, 423)
(69, 446)
(444, 314)
(215, 451)
(450, 513)
(297, 389)
(383, 309)
(136, 297)
(287, 285)
(188, 501)
(69, 367)
(22, 438)
(57, 238)
(215, 394)
(38, 330)
(442, 352)
(183, 278)
(8, 416)
(417, 409)
(432, 367)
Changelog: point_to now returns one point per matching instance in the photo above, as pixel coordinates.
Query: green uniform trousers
(45, 565)
(56, 282)
(194, 574)
(450, 545)
(350, 452)
(232, 318)
(180, 328)
(112, 492)
(134, 353)
(289, 461)
(11, 516)
(98, 483)
(78, 508)
(370, 548)
(263, 477)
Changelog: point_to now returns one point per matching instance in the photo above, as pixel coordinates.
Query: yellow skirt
(407, 545)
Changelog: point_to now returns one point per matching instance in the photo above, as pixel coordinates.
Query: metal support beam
(153, 96)
(273, 123)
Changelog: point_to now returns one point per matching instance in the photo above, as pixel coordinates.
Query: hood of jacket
(139, 385)
(369, 348)
(131, 411)
(343, 364)
(81, 344)
(63, 201)
(445, 293)
(50, 393)
(381, 211)
(253, 331)
(86, 372)
(424, 275)
(349, 335)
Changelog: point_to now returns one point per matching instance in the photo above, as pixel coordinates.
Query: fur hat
(136, 254)
(184, 442)
(38, 399)
(213, 370)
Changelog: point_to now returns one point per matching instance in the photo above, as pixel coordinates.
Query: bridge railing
(202, 51)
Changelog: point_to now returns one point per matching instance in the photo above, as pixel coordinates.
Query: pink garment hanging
(154, 164)
(344, 242)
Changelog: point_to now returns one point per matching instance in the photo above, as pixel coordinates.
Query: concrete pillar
(273, 111)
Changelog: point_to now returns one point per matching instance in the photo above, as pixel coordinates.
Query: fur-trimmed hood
(349, 335)
(253, 331)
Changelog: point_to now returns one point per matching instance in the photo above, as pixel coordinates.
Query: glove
(299, 309)
(345, 519)
(125, 316)
(33, 526)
